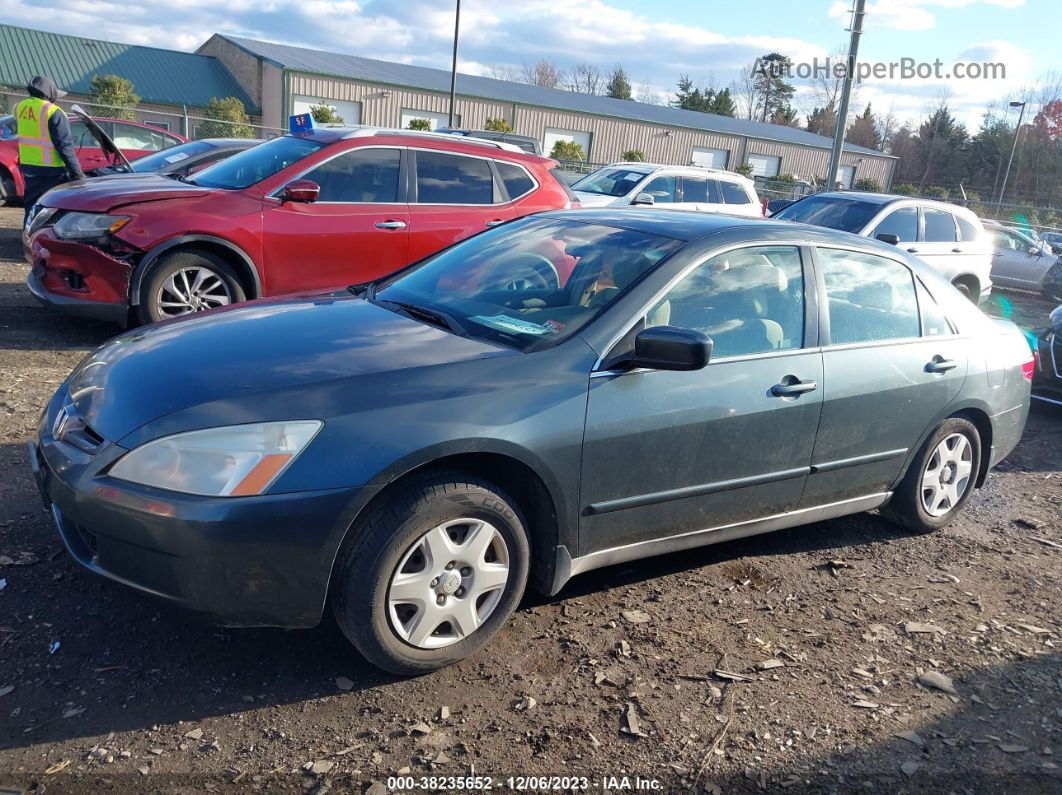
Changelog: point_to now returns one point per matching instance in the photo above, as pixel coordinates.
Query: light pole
(453, 71)
(858, 12)
(1013, 146)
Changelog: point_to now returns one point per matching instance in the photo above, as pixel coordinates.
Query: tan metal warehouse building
(282, 79)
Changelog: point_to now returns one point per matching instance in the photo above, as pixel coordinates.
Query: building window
(710, 158)
(554, 134)
(349, 112)
(765, 165)
(436, 120)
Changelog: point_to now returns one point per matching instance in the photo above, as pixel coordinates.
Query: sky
(711, 40)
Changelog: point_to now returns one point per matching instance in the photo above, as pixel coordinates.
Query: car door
(663, 188)
(667, 452)
(453, 196)
(89, 153)
(701, 193)
(1013, 265)
(357, 229)
(891, 365)
(938, 243)
(902, 222)
(737, 199)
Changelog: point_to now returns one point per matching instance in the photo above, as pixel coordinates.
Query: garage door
(349, 112)
(710, 158)
(436, 120)
(765, 165)
(554, 134)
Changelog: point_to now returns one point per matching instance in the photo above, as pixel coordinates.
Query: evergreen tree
(723, 104)
(773, 93)
(618, 86)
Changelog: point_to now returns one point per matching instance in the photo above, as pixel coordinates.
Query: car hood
(249, 350)
(598, 199)
(102, 194)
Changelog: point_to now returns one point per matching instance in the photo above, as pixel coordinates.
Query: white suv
(675, 187)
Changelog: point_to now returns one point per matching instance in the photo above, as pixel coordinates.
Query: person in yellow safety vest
(46, 155)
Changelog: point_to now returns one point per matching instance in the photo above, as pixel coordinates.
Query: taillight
(1029, 368)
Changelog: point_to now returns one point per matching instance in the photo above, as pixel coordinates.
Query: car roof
(694, 170)
(333, 133)
(891, 198)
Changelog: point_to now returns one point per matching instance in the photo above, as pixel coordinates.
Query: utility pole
(846, 92)
(1013, 146)
(453, 71)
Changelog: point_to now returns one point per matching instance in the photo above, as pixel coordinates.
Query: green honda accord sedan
(563, 392)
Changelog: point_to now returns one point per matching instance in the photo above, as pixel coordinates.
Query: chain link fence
(186, 124)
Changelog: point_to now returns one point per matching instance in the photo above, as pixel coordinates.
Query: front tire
(185, 282)
(940, 479)
(431, 574)
(8, 191)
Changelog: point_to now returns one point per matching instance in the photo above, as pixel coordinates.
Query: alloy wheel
(947, 475)
(192, 289)
(448, 583)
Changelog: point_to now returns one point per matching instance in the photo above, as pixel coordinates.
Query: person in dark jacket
(46, 155)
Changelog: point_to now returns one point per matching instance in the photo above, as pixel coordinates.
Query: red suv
(132, 138)
(314, 211)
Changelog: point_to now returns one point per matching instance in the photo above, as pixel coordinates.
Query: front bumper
(248, 561)
(76, 278)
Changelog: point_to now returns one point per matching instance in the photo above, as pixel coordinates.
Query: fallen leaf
(636, 616)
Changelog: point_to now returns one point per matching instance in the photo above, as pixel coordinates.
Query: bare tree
(746, 95)
(647, 94)
(583, 78)
(543, 73)
(887, 125)
(505, 72)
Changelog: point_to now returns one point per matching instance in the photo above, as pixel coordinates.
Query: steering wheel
(525, 271)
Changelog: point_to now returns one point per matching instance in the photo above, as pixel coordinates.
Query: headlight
(80, 226)
(236, 461)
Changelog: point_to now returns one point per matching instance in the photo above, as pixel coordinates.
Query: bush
(905, 189)
(114, 96)
(325, 114)
(567, 150)
(868, 184)
(419, 124)
(497, 124)
(633, 156)
(936, 192)
(226, 118)
(788, 179)
(745, 170)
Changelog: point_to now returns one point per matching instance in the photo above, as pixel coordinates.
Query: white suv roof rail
(368, 132)
(656, 166)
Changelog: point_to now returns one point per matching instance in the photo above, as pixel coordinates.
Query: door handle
(390, 224)
(495, 222)
(792, 388)
(956, 251)
(940, 365)
(912, 251)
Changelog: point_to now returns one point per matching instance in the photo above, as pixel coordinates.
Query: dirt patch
(790, 661)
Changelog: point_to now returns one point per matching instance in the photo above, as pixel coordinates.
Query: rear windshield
(836, 212)
(253, 165)
(159, 160)
(610, 181)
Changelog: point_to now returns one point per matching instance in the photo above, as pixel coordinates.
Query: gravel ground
(843, 656)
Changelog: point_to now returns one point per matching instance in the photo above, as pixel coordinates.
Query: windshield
(159, 160)
(529, 284)
(610, 181)
(255, 164)
(836, 212)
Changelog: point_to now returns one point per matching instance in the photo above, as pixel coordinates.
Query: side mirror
(888, 237)
(671, 348)
(1034, 251)
(300, 190)
(644, 198)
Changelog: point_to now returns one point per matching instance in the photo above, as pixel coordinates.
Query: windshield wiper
(359, 289)
(433, 316)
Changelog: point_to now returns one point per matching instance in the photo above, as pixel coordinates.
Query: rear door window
(694, 189)
(967, 231)
(871, 298)
(734, 193)
(444, 178)
(940, 226)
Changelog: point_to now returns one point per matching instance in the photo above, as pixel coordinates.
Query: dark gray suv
(564, 392)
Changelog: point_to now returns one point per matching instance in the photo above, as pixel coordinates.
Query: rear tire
(397, 552)
(939, 480)
(197, 279)
(968, 290)
(8, 191)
